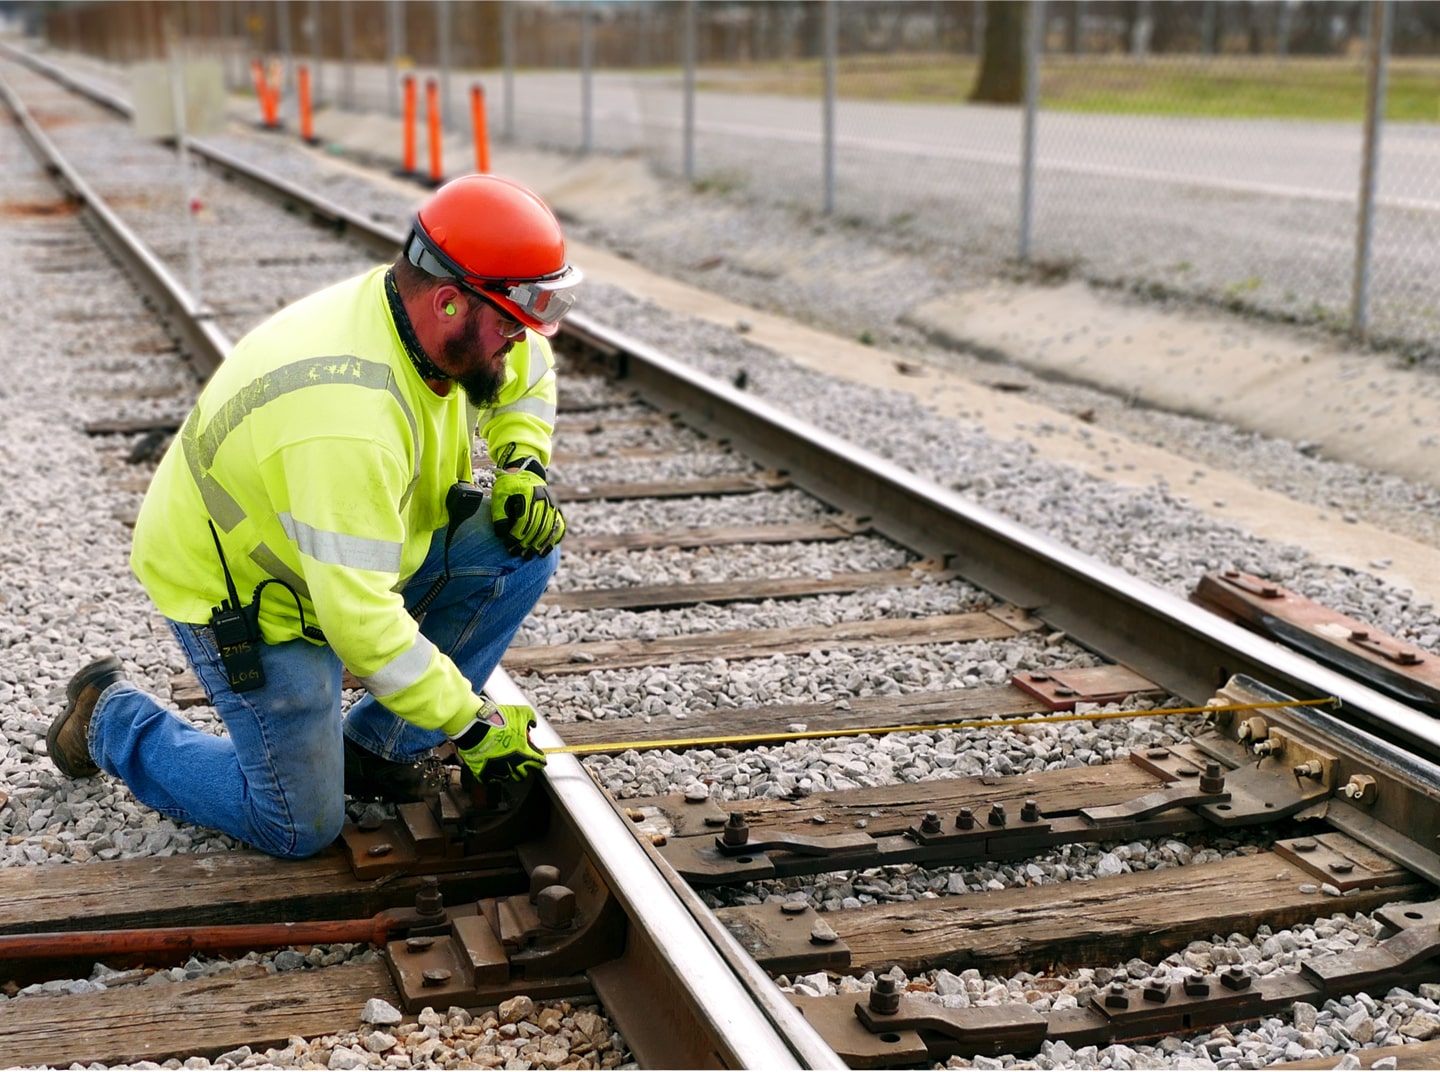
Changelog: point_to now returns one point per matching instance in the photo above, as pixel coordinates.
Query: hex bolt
(1157, 991)
(885, 996)
(794, 908)
(380, 849)
(931, 823)
(997, 814)
(1305, 845)
(555, 905)
(1311, 768)
(428, 902)
(418, 944)
(1116, 998)
(1271, 746)
(1213, 780)
(1235, 978)
(736, 832)
(435, 977)
(824, 934)
(1341, 867)
(1157, 753)
(965, 820)
(1030, 812)
(543, 875)
(1197, 986)
(1255, 728)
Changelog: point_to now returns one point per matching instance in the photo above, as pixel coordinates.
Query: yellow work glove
(524, 513)
(496, 743)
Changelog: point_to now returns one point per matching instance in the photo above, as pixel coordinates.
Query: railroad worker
(313, 507)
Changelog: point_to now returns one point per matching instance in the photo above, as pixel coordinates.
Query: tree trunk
(1002, 64)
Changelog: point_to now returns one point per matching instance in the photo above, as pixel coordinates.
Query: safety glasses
(545, 300)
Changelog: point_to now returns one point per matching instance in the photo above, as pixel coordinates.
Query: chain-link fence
(1210, 149)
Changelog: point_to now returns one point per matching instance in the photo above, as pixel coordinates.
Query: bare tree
(1002, 63)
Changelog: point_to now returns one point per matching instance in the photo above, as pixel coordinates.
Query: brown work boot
(372, 777)
(69, 736)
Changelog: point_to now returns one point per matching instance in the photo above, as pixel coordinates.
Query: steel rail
(187, 320)
(748, 1029)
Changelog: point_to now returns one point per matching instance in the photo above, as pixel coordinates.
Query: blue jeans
(277, 780)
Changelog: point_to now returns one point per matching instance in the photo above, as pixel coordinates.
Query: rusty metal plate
(1342, 861)
(378, 852)
(1061, 690)
(674, 816)
(1359, 648)
(429, 972)
(1400, 916)
(697, 860)
(1263, 792)
(859, 1047)
(1179, 764)
(782, 941)
(978, 1029)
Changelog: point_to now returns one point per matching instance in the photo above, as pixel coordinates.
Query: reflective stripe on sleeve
(342, 549)
(402, 671)
(536, 407)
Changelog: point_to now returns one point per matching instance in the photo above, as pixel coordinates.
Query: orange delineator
(407, 167)
(307, 129)
(265, 95)
(482, 137)
(432, 116)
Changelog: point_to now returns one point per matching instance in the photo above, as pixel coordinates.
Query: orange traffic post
(407, 166)
(274, 84)
(432, 118)
(263, 94)
(482, 137)
(307, 124)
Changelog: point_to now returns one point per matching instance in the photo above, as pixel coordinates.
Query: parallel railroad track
(1362, 781)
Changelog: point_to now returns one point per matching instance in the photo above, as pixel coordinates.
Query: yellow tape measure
(858, 731)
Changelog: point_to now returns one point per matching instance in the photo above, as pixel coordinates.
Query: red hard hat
(498, 237)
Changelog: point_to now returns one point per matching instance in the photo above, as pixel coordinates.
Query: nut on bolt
(885, 995)
(1311, 768)
(1030, 812)
(542, 876)
(997, 814)
(931, 823)
(1361, 787)
(1252, 729)
(736, 832)
(965, 820)
(555, 905)
(1116, 998)
(1213, 780)
(428, 902)
(1270, 746)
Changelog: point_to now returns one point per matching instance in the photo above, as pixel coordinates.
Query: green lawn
(1228, 86)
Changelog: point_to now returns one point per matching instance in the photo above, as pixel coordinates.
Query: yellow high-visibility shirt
(324, 461)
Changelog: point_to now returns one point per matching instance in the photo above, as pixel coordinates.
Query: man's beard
(481, 385)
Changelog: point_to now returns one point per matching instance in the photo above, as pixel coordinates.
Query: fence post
(1034, 47)
(587, 78)
(507, 61)
(689, 132)
(831, 29)
(1379, 47)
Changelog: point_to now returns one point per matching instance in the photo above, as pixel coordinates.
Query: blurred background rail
(1276, 157)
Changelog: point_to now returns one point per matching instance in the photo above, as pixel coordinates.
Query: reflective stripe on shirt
(403, 670)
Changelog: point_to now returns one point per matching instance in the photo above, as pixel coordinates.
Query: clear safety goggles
(545, 300)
